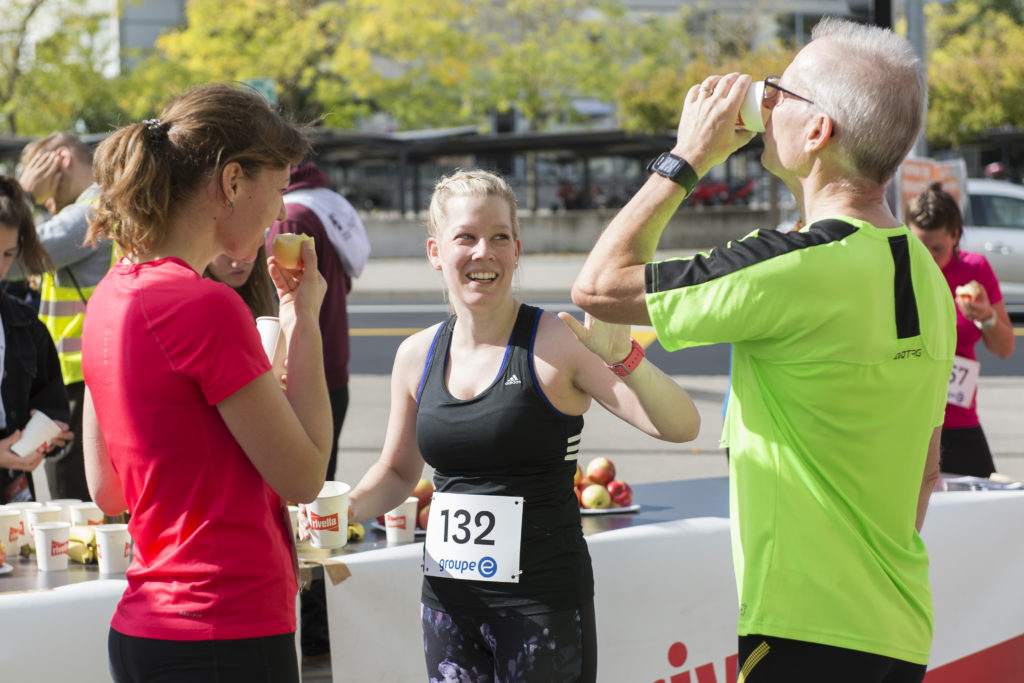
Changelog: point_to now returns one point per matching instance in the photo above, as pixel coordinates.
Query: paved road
(640, 458)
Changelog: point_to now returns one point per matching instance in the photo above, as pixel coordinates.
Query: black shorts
(965, 451)
(148, 660)
(766, 659)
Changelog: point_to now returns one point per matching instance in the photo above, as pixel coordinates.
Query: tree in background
(333, 62)
(539, 56)
(669, 55)
(975, 70)
(59, 80)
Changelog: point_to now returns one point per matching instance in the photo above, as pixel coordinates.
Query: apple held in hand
(600, 471)
(287, 249)
(620, 492)
(595, 497)
(423, 516)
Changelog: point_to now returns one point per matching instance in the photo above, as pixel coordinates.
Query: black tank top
(508, 441)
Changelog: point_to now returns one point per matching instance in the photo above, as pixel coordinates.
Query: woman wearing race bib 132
(493, 398)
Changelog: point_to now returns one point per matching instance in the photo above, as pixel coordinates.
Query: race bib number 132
(474, 537)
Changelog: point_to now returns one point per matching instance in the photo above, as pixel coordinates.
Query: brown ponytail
(147, 170)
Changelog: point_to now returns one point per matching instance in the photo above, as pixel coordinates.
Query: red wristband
(628, 364)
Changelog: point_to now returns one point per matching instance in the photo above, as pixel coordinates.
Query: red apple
(578, 476)
(380, 520)
(600, 471)
(579, 493)
(595, 497)
(423, 516)
(620, 492)
(423, 491)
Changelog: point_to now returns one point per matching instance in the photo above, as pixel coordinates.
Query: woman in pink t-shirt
(184, 424)
(935, 218)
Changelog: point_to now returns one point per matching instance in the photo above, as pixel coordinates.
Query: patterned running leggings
(560, 647)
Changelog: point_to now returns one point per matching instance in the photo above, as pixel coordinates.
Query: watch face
(669, 165)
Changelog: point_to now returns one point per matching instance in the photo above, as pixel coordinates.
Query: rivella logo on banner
(705, 673)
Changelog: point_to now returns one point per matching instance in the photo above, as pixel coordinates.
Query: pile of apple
(424, 491)
(597, 487)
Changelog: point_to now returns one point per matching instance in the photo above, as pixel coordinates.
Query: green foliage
(57, 82)
(975, 73)
(671, 55)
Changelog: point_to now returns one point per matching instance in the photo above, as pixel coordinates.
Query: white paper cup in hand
(274, 344)
(328, 516)
(750, 117)
(39, 515)
(52, 545)
(39, 430)
(113, 548)
(86, 514)
(400, 523)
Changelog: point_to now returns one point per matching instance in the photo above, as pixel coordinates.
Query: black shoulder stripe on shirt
(907, 322)
(766, 244)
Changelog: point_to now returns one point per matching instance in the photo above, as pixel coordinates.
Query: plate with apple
(599, 492)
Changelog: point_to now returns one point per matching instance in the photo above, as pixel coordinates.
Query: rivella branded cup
(400, 523)
(328, 516)
(39, 430)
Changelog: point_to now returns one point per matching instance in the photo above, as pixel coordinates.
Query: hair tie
(156, 127)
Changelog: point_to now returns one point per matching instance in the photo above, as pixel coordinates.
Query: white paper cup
(751, 114)
(274, 344)
(39, 515)
(52, 545)
(39, 430)
(23, 537)
(86, 514)
(293, 514)
(10, 530)
(400, 523)
(328, 516)
(113, 548)
(65, 506)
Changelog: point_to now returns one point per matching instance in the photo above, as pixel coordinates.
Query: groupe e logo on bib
(485, 566)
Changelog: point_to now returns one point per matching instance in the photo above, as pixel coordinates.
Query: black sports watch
(676, 169)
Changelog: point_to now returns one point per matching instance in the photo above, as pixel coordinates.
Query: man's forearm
(610, 286)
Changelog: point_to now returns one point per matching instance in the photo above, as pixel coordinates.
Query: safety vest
(62, 310)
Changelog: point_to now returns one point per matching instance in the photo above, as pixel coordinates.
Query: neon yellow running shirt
(843, 342)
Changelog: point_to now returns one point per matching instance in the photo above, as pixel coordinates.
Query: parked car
(994, 226)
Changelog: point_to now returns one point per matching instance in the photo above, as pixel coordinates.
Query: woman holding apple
(934, 216)
(493, 399)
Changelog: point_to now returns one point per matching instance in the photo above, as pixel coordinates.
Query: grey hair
(471, 183)
(874, 87)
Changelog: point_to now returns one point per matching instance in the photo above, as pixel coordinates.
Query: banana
(356, 531)
(85, 535)
(82, 545)
(80, 552)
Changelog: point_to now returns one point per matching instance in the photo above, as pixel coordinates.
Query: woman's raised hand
(610, 341)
